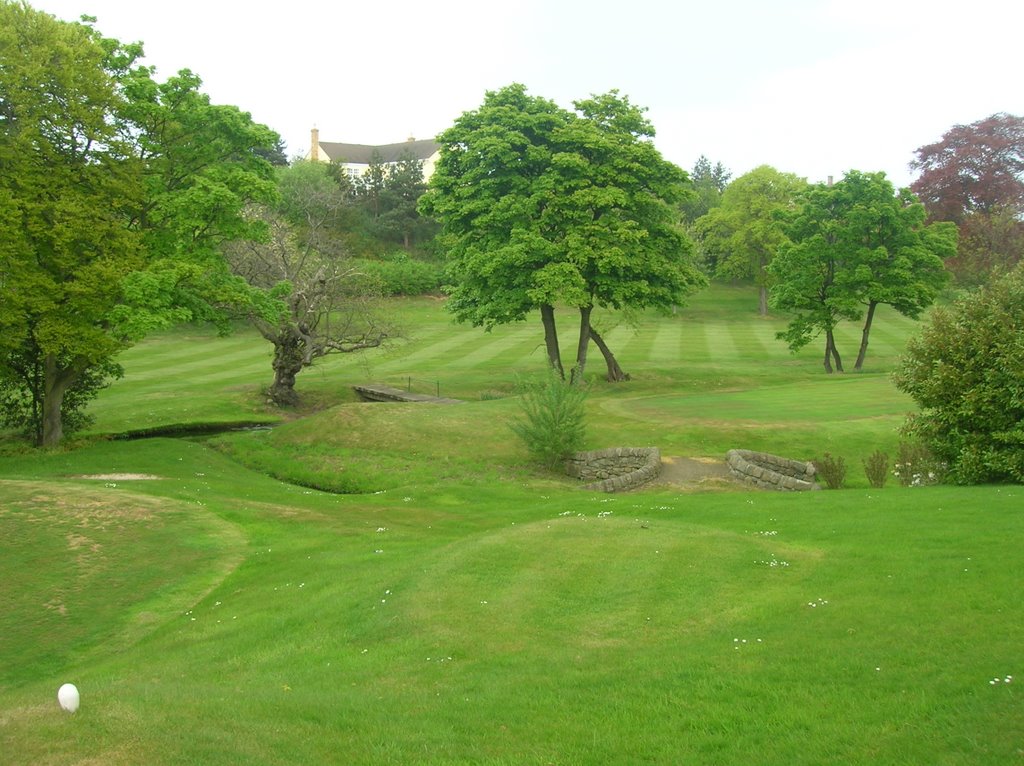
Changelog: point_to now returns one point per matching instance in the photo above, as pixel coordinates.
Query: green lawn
(450, 604)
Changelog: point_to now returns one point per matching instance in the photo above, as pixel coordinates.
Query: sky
(811, 87)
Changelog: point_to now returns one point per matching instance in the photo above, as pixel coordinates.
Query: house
(355, 158)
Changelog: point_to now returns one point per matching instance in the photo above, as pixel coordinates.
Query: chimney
(830, 180)
(314, 145)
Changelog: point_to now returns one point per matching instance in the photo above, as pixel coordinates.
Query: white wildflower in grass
(739, 642)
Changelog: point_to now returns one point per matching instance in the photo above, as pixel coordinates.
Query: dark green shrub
(552, 424)
(966, 373)
(832, 470)
(876, 468)
(398, 274)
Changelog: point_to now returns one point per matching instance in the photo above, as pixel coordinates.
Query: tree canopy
(853, 246)
(709, 182)
(116, 193)
(388, 194)
(539, 205)
(974, 177)
(976, 168)
(740, 236)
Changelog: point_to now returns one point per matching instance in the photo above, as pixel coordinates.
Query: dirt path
(693, 473)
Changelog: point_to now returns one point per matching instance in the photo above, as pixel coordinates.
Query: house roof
(361, 154)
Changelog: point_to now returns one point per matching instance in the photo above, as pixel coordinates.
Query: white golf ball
(67, 696)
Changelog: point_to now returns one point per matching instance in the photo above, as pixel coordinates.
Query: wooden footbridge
(379, 393)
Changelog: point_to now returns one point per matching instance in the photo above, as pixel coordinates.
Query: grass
(457, 606)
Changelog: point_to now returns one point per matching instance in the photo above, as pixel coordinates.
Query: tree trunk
(864, 335)
(828, 356)
(547, 316)
(830, 348)
(581, 347)
(288, 363)
(56, 381)
(615, 373)
(762, 300)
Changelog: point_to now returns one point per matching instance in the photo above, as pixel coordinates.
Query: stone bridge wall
(615, 469)
(770, 471)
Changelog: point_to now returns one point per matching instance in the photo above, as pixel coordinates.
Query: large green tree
(812, 275)
(116, 193)
(899, 258)
(742, 234)
(542, 206)
(854, 246)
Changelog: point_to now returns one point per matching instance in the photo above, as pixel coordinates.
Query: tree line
(128, 204)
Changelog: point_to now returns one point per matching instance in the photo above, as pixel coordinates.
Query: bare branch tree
(330, 306)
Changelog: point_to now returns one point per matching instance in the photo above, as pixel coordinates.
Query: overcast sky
(812, 87)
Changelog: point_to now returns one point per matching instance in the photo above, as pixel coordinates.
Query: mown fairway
(458, 607)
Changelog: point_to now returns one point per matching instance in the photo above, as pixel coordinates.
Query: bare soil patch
(692, 473)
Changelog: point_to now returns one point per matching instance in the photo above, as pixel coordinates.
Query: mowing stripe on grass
(643, 342)
(454, 340)
(720, 344)
(746, 340)
(518, 341)
(163, 352)
(665, 346)
(764, 330)
(693, 342)
(185, 366)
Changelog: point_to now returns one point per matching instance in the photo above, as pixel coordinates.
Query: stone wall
(615, 469)
(770, 471)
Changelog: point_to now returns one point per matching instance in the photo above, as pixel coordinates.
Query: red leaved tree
(976, 168)
(974, 176)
